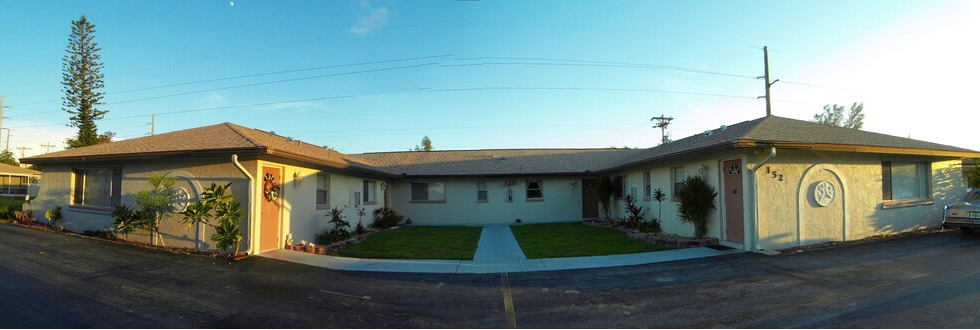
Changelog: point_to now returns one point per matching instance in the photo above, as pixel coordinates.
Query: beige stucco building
(781, 183)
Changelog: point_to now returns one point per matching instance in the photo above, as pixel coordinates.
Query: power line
(274, 82)
(250, 76)
(591, 89)
(590, 63)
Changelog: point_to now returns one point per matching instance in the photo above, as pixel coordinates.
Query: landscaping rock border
(335, 247)
(665, 240)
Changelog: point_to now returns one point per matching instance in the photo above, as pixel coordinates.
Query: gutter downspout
(251, 204)
(755, 199)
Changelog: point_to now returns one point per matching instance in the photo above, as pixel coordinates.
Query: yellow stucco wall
(192, 174)
(789, 214)
(300, 215)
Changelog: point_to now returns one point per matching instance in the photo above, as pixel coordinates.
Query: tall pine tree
(82, 82)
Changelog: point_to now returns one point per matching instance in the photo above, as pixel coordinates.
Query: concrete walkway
(497, 252)
(497, 243)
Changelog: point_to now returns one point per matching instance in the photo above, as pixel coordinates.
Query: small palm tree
(697, 202)
(660, 197)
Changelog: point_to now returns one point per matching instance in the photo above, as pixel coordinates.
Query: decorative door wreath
(269, 187)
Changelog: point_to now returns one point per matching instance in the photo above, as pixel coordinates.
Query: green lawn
(576, 240)
(452, 243)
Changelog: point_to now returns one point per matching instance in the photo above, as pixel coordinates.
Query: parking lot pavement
(53, 280)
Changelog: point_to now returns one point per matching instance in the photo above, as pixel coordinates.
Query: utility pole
(8, 138)
(153, 124)
(765, 53)
(22, 149)
(1, 112)
(662, 123)
(47, 147)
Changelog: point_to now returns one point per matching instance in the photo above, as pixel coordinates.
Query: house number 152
(775, 174)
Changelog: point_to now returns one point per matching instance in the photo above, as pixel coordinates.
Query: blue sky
(362, 76)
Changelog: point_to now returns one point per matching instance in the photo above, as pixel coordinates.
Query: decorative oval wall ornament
(180, 199)
(824, 193)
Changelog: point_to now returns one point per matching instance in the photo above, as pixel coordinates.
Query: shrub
(9, 205)
(23, 217)
(385, 218)
(973, 174)
(341, 228)
(359, 229)
(218, 209)
(634, 213)
(697, 202)
(53, 216)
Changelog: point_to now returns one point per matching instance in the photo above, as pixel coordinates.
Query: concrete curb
(495, 266)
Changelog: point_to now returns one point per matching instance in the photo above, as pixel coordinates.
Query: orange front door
(734, 215)
(269, 223)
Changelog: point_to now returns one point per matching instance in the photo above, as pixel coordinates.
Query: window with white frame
(428, 192)
(97, 187)
(322, 191)
(535, 189)
(677, 178)
(647, 186)
(370, 194)
(904, 181)
(481, 191)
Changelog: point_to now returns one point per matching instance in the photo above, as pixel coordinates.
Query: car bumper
(961, 222)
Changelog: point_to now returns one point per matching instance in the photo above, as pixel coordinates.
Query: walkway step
(497, 243)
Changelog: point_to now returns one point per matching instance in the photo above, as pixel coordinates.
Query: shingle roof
(10, 169)
(497, 161)
(773, 129)
(229, 138)
(224, 138)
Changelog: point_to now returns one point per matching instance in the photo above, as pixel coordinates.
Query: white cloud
(377, 18)
(32, 135)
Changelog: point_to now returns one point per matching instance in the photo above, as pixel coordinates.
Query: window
(370, 192)
(322, 191)
(619, 186)
(904, 181)
(97, 187)
(428, 192)
(647, 186)
(677, 177)
(481, 191)
(534, 190)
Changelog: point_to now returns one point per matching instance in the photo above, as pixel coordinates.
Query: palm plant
(604, 191)
(217, 208)
(660, 197)
(697, 202)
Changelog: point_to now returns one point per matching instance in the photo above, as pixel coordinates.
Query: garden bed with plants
(696, 203)
(576, 240)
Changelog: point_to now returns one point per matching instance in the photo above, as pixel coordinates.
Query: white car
(965, 213)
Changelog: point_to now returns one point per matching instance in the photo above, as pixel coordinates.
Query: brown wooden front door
(734, 212)
(269, 225)
(590, 199)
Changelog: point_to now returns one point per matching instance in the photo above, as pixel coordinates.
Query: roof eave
(145, 155)
(494, 175)
(729, 145)
(329, 163)
(836, 147)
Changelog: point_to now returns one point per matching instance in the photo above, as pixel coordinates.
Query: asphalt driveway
(53, 281)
